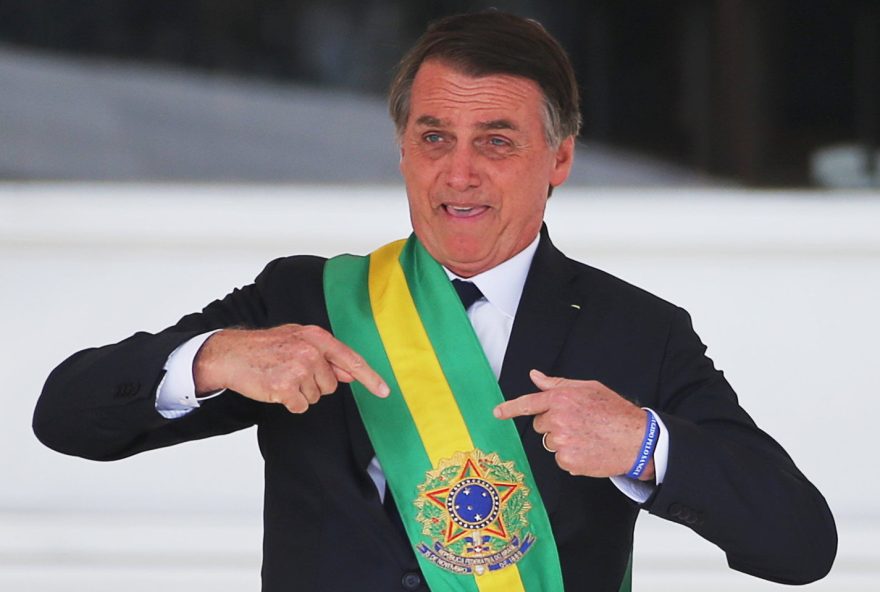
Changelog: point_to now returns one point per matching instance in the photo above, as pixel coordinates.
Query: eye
(496, 146)
(432, 138)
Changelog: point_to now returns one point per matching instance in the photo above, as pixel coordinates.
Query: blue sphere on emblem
(473, 503)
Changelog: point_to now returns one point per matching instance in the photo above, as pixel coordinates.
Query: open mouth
(461, 211)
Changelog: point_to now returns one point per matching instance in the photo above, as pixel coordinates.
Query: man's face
(477, 166)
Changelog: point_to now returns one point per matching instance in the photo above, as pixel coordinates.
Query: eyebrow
(430, 121)
(495, 124)
(498, 124)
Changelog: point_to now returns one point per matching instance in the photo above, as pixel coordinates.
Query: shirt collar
(503, 284)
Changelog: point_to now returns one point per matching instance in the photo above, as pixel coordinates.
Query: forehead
(445, 93)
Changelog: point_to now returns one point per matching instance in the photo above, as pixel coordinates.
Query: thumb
(544, 382)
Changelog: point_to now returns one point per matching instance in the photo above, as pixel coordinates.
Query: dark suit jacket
(324, 526)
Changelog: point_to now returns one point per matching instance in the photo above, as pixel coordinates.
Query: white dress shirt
(492, 318)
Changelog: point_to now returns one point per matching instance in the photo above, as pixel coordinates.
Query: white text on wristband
(647, 449)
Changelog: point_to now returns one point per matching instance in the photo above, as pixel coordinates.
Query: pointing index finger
(350, 362)
(532, 404)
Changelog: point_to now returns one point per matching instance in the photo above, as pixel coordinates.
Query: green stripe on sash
(405, 453)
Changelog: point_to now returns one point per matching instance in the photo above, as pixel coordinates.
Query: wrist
(208, 367)
(649, 472)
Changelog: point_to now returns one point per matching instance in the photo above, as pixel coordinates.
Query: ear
(562, 161)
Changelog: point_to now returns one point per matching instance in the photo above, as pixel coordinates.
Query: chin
(467, 255)
(458, 251)
(466, 265)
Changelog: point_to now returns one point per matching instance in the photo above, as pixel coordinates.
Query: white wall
(782, 286)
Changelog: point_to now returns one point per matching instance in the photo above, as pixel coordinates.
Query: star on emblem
(474, 502)
(473, 511)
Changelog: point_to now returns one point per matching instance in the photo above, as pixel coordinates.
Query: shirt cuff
(640, 491)
(374, 470)
(176, 394)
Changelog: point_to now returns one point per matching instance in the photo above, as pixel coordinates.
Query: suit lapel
(543, 320)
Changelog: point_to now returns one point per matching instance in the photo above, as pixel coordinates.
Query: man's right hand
(293, 365)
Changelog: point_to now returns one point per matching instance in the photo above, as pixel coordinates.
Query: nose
(461, 168)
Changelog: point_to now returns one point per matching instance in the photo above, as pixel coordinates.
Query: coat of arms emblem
(473, 509)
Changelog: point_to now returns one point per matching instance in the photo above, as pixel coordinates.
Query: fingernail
(384, 390)
(497, 412)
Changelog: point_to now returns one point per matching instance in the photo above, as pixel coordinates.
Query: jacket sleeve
(100, 403)
(731, 482)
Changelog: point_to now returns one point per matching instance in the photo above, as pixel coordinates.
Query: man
(615, 405)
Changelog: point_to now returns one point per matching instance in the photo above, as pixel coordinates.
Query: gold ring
(544, 444)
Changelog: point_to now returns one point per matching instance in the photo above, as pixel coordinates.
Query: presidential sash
(460, 477)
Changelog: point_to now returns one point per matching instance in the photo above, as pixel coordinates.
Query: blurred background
(781, 93)
(154, 155)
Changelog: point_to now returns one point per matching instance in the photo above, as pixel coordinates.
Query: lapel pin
(576, 306)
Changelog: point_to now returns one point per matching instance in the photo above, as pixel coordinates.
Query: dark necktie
(467, 291)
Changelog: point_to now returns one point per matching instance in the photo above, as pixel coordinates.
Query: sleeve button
(126, 390)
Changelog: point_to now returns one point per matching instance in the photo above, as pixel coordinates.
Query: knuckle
(308, 353)
(558, 396)
(297, 405)
(313, 331)
(284, 332)
(565, 397)
(544, 423)
(278, 388)
(564, 460)
(298, 374)
(329, 388)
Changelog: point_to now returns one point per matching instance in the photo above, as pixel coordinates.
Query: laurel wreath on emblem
(473, 509)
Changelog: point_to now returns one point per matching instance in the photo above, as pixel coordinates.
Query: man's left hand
(593, 430)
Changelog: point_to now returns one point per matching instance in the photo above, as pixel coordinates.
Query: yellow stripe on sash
(418, 372)
(421, 379)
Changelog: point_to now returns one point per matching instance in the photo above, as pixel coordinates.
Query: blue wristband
(646, 451)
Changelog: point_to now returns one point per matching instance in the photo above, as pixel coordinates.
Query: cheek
(527, 213)
(420, 212)
(417, 174)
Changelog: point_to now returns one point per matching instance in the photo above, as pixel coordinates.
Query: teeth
(464, 211)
